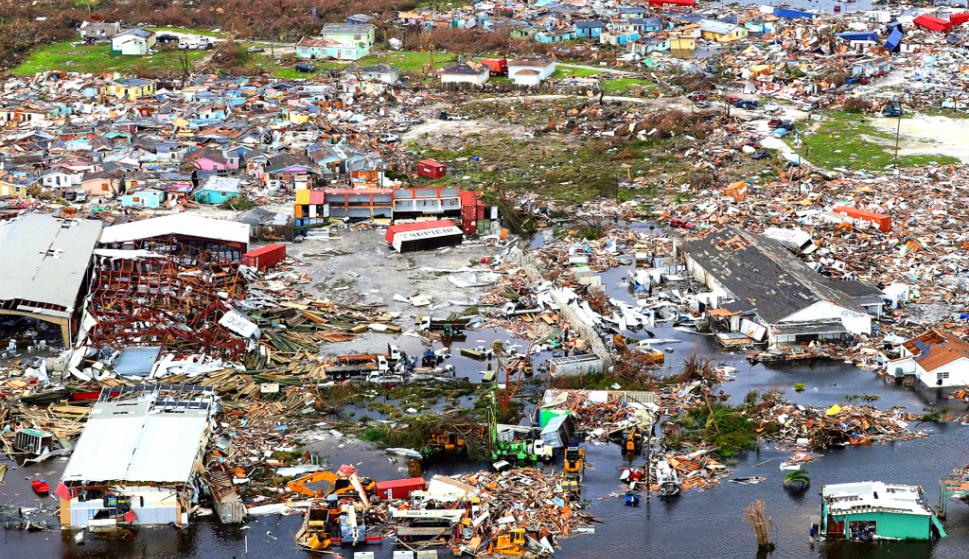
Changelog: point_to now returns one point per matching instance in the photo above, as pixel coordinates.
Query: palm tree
(797, 480)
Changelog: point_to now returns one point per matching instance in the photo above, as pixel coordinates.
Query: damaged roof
(763, 273)
(177, 224)
(155, 437)
(51, 256)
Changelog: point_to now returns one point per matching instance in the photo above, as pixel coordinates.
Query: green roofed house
(874, 510)
(342, 41)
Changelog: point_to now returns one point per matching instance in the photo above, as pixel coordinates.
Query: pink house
(211, 159)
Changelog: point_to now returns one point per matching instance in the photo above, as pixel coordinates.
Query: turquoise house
(217, 190)
(149, 198)
(588, 29)
(874, 510)
(554, 36)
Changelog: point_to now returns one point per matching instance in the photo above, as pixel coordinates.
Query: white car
(772, 108)
(389, 138)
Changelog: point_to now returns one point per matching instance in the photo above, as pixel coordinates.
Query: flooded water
(697, 524)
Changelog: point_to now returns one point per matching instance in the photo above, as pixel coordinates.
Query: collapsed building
(48, 268)
(761, 292)
(139, 459)
(168, 282)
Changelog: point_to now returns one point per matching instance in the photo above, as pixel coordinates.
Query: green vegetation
(67, 56)
(565, 71)
(627, 85)
(851, 141)
(722, 427)
(559, 167)
(408, 61)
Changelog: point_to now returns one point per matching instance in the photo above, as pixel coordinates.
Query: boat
(789, 467)
(40, 487)
(667, 479)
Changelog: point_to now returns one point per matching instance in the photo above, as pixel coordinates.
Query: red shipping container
(959, 19)
(933, 23)
(496, 66)
(431, 169)
(400, 488)
(883, 221)
(265, 257)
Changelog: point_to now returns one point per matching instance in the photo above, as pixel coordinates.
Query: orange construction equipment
(343, 484)
(511, 543)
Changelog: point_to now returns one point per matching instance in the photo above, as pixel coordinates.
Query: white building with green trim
(342, 41)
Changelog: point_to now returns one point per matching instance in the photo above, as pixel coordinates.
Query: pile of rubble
(794, 425)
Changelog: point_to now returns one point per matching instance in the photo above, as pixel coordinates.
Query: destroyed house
(768, 294)
(167, 234)
(937, 358)
(52, 268)
(139, 458)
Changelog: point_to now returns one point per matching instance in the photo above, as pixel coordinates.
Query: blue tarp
(792, 14)
(869, 36)
(136, 361)
(894, 40)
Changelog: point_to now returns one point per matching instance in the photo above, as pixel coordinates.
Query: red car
(680, 223)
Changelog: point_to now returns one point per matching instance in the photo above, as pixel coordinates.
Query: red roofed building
(937, 358)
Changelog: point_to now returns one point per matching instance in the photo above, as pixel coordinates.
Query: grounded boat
(40, 487)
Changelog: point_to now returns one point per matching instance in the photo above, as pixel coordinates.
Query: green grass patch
(851, 141)
(565, 71)
(408, 61)
(627, 85)
(66, 56)
(286, 68)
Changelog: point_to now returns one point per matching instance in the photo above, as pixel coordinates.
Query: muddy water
(697, 524)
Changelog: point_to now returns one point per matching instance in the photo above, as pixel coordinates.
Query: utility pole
(898, 130)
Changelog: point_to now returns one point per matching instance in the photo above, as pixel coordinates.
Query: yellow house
(682, 43)
(721, 32)
(14, 187)
(131, 88)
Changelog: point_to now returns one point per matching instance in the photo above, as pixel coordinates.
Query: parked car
(304, 68)
(772, 108)
(774, 123)
(167, 38)
(757, 156)
(70, 195)
(256, 49)
(748, 104)
(389, 138)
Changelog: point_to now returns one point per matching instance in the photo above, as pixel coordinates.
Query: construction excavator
(633, 443)
(511, 543)
(339, 485)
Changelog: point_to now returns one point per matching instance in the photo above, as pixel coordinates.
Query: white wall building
(936, 358)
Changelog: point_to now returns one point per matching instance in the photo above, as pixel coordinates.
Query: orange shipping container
(883, 221)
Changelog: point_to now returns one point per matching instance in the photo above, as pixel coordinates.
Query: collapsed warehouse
(163, 288)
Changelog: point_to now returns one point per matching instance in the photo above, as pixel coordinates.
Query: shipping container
(423, 235)
(400, 488)
(883, 221)
(265, 257)
(431, 169)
